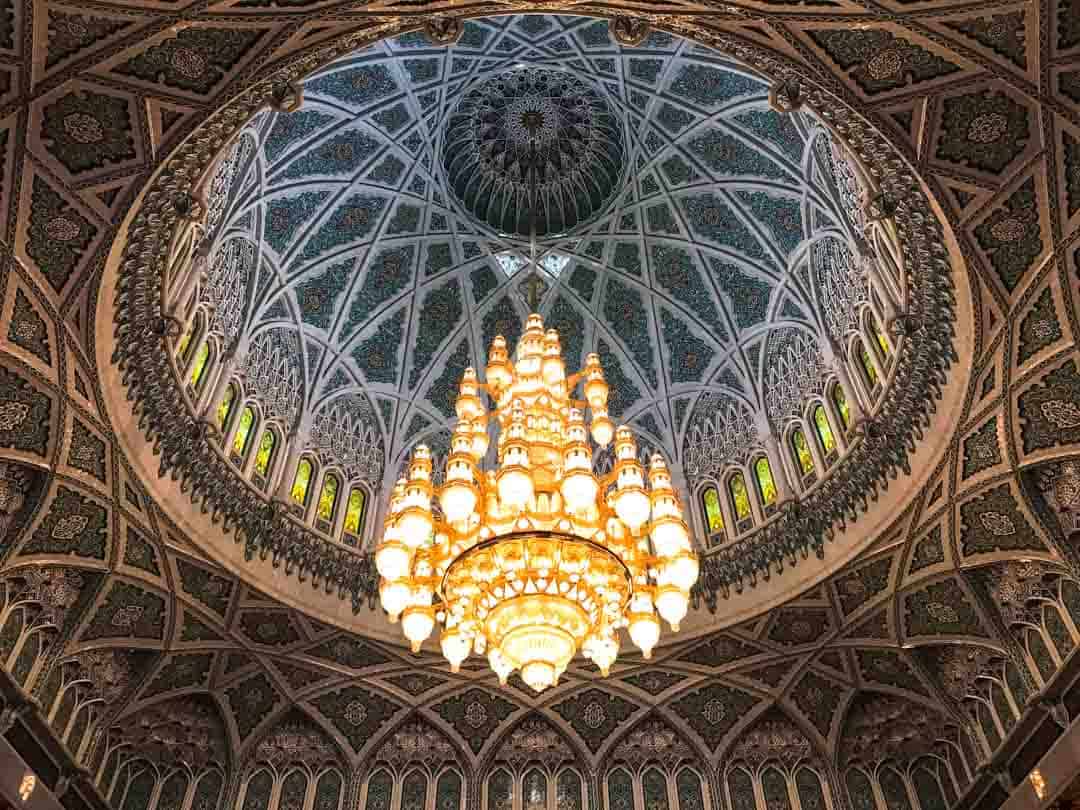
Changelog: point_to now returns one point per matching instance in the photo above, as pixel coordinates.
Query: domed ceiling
(689, 234)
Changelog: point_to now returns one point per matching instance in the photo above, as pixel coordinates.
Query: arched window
(860, 791)
(866, 365)
(567, 791)
(140, 789)
(808, 786)
(414, 791)
(774, 786)
(824, 431)
(654, 790)
(534, 790)
(354, 516)
(208, 791)
(328, 499)
(928, 789)
(688, 789)
(225, 409)
(740, 502)
(242, 439)
(741, 790)
(198, 368)
(803, 457)
(265, 457)
(328, 791)
(765, 485)
(842, 409)
(500, 791)
(448, 791)
(380, 790)
(620, 791)
(293, 791)
(183, 348)
(882, 346)
(892, 785)
(257, 794)
(302, 482)
(714, 514)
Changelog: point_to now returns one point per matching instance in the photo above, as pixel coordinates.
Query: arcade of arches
(828, 252)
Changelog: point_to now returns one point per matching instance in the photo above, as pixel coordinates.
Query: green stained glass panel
(243, 431)
(414, 792)
(713, 513)
(448, 791)
(302, 482)
(802, 452)
(654, 790)
(568, 791)
(266, 452)
(355, 511)
(379, 791)
(824, 430)
(225, 408)
(198, 370)
(534, 791)
(740, 498)
(841, 406)
(774, 786)
(620, 791)
(766, 485)
(328, 498)
(499, 795)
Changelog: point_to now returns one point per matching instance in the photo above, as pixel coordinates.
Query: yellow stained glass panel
(354, 513)
(243, 431)
(842, 406)
(802, 452)
(867, 365)
(266, 452)
(301, 482)
(766, 485)
(740, 498)
(225, 408)
(824, 430)
(328, 498)
(199, 369)
(884, 344)
(713, 513)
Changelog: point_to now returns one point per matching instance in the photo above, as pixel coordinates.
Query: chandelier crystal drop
(538, 558)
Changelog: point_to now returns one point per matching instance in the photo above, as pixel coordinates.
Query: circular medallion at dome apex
(735, 247)
(533, 150)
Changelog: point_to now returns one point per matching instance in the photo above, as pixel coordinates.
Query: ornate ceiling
(693, 266)
(963, 602)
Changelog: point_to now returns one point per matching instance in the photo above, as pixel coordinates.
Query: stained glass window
(448, 791)
(867, 365)
(654, 790)
(824, 430)
(860, 791)
(620, 791)
(328, 497)
(380, 789)
(354, 513)
(568, 791)
(184, 346)
(841, 406)
(207, 792)
(328, 792)
(198, 370)
(714, 515)
(765, 483)
(414, 791)
(243, 432)
(500, 791)
(302, 482)
(139, 792)
(740, 498)
(293, 791)
(688, 786)
(534, 791)
(173, 792)
(802, 451)
(883, 344)
(774, 786)
(224, 410)
(267, 445)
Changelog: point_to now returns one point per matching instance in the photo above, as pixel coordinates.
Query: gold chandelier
(538, 558)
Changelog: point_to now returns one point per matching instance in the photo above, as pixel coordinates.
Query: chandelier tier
(539, 557)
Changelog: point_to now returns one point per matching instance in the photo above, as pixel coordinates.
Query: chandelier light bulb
(538, 557)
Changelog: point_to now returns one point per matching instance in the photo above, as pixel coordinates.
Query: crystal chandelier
(537, 557)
